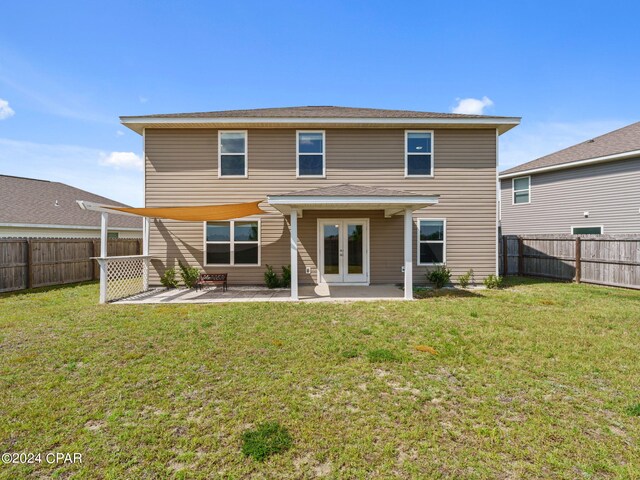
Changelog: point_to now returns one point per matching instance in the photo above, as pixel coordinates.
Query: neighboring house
(42, 209)
(590, 188)
(351, 181)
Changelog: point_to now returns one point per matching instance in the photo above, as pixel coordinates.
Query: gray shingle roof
(31, 201)
(315, 112)
(348, 190)
(619, 141)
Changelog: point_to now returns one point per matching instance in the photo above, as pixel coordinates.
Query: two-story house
(352, 196)
(589, 188)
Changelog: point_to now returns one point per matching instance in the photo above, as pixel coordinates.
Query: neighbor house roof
(619, 144)
(27, 201)
(313, 115)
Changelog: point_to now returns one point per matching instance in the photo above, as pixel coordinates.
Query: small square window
(521, 190)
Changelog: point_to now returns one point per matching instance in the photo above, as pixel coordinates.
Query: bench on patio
(212, 279)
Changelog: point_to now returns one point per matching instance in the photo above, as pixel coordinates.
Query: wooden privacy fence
(39, 262)
(612, 260)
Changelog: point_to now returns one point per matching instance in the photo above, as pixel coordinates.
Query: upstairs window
(232, 243)
(521, 190)
(418, 161)
(432, 248)
(310, 153)
(232, 156)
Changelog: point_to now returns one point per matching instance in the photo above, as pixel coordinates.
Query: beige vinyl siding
(181, 169)
(37, 232)
(610, 192)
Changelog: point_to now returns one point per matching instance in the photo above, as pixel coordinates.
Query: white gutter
(578, 163)
(98, 207)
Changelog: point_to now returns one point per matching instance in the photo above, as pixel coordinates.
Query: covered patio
(342, 213)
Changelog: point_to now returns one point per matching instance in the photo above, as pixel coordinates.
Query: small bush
(286, 276)
(466, 279)
(634, 410)
(493, 281)
(440, 276)
(271, 278)
(267, 439)
(168, 278)
(382, 355)
(189, 275)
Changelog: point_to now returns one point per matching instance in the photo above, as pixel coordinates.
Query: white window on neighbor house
(112, 235)
(232, 153)
(432, 241)
(587, 230)
(521, 190)
(418, 153)
(234, 242)
(310, 154)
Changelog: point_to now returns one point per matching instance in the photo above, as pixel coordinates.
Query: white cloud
(125, 160)
(119, 133)
(534, 140)
(143, 99)
(5, 110)
(472, 106)
(73, 165)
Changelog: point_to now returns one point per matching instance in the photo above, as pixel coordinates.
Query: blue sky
(69, 69)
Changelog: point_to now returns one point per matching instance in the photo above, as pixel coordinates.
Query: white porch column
(103, 253)
(408, 254)
(294, 254)
(145, 251)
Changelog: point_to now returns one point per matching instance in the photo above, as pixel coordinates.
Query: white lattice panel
(125, 277)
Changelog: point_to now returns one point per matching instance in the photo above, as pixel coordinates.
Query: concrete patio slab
(308, 293)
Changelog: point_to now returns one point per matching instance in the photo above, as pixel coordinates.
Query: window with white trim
(591, 230)
(232, 243)
(232, 153)
(418, 154)
(310, 154)
(432, 249)
(521, 190)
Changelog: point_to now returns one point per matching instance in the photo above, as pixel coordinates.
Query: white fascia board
(322, 200)
(578, 163)
(508, 122)
(71, 227)
(98, 207)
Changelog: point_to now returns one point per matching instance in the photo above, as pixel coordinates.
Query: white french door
(343, 251)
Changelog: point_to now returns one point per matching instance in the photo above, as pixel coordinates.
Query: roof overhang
(138, 124)
(391, 205)
(577, 163)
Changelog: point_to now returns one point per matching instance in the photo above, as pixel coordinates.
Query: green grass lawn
(539, 380)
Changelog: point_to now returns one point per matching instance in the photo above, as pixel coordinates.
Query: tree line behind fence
(39, 262)
(612, 260)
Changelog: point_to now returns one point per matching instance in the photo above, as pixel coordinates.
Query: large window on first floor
(587, 230)
(432, 239)
(236, 242)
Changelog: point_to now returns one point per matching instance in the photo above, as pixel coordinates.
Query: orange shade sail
(198, 214)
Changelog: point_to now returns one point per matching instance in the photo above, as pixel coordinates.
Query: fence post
(578, 259)
(520, 256)
(505, 256)
(29, 264)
